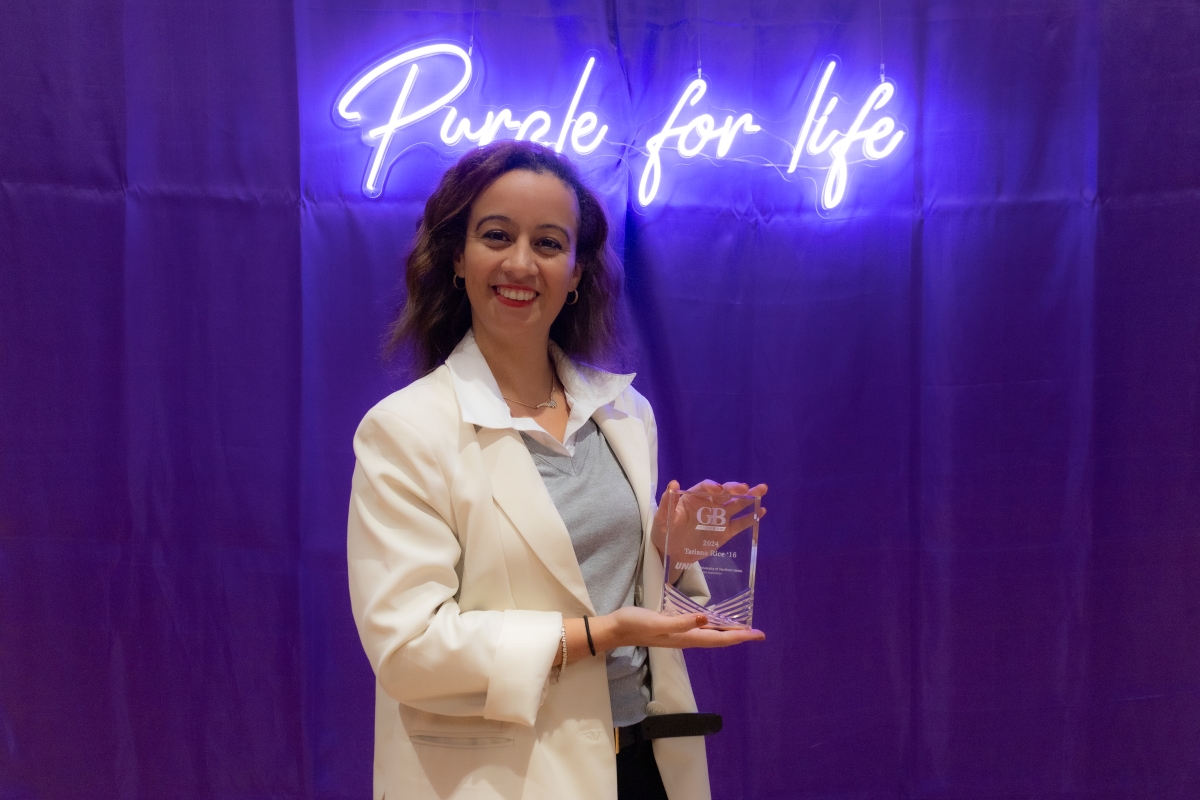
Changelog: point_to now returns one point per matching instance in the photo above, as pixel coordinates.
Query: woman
(504, 544)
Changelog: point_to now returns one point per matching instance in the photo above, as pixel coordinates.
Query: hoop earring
(454, 279)
(575, 300)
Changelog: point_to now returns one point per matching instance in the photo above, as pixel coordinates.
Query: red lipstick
(513, 302)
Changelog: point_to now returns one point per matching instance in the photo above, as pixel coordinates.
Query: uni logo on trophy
(710, 519)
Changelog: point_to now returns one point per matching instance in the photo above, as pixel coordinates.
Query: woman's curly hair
(435, 316)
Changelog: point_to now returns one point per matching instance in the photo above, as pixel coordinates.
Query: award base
(733, 614)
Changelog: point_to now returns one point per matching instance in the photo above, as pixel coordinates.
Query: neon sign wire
(877, 140)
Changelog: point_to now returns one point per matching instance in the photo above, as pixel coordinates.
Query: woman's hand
(684, 521)
(632, 626)
(641, 627)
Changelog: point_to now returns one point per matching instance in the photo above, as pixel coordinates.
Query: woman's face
(519, 258)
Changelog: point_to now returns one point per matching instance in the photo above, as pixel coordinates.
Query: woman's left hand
(641, 627)
(684, 522)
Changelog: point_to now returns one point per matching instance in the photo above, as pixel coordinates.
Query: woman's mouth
(515, 295)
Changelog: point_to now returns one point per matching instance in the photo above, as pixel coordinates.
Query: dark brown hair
(435, 315)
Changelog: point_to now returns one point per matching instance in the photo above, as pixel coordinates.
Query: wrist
(606, 632)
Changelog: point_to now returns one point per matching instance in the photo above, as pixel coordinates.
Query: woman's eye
(495, 236)
(549, 244)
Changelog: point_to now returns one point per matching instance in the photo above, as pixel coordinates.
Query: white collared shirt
(479, 397)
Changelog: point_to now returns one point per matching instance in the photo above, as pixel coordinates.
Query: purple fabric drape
(974, 388)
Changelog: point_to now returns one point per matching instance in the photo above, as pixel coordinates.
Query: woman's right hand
(641, 627)
(688, 540)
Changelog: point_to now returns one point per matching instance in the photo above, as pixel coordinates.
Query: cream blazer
(461, 571)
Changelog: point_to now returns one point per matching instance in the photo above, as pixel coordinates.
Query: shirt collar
(588, 389)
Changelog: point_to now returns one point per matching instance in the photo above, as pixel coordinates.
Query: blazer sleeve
(403, 560)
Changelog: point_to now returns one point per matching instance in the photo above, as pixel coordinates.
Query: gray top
(594, 499)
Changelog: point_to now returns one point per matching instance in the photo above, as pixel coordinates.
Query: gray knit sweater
(594, 499)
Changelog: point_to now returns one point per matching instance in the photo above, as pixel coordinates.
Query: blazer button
(637, 595)
(654, 708)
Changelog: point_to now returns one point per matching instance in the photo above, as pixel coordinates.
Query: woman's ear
(458, 257)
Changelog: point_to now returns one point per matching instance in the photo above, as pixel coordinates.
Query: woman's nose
(520, 259)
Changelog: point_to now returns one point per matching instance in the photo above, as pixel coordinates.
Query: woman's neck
(522, 369)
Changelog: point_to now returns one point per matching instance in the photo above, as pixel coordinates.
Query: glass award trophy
(711, 547)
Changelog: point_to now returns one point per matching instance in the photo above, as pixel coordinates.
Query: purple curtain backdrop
(974, 388)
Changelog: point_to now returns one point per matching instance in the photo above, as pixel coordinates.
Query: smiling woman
(518, 263)
(504, 544)
(436, 314)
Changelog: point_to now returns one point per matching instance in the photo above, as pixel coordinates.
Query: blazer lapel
(519, 491)
(627, 438)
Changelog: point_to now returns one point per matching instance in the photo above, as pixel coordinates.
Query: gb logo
(710, 519)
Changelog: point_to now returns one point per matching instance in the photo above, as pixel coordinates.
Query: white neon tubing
(835, 183)
(480, 137)
(745, 122)
(348, 96)
(878, 131)
(385, 133)
(703, 126)
(812, 112)
(536, 136)
(503, 117)
(562, 136)
(876, 100)
(883, 127)
(653, 167)
(878, 140)
(583, 126)
(814, 148)
(838, 176)
(463, 129)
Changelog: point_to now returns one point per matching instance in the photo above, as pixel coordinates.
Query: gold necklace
(551, 403)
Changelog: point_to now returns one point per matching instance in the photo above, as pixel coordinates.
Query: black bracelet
(588, 628)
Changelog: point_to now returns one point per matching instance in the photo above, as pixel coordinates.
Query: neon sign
(583, 133)
(381, 137)
(810, 134)
(704, 126)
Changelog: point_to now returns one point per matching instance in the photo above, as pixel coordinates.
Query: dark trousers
(637, 774)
